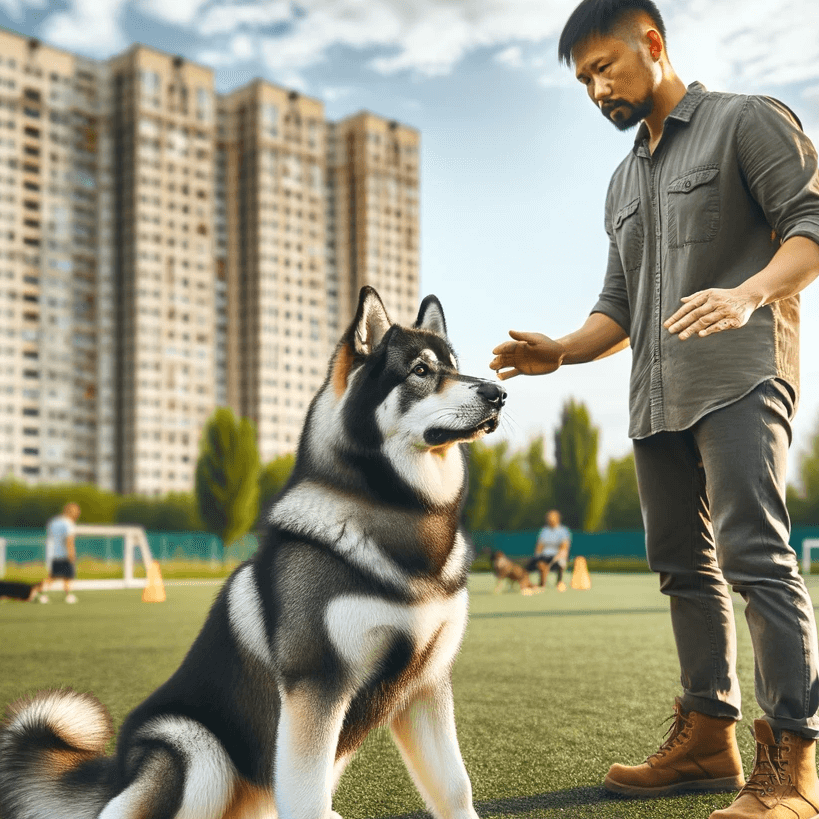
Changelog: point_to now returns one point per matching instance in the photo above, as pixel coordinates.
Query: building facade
(165, 249)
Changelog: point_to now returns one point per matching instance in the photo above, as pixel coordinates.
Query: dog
(13, 590)
(507, 570)
(287, 677)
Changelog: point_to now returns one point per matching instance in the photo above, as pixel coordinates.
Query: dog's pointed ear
(431, 316)
(371, 322)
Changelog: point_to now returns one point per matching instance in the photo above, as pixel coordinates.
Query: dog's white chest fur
(361, 629)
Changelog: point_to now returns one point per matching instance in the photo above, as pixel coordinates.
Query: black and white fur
(349, 617)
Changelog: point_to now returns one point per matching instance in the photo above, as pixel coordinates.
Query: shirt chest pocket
(628, 234)
(693, 207)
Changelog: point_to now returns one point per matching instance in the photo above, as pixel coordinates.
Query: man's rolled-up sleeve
(613, 300)
(779, 164)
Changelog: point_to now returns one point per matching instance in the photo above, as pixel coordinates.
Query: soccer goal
(133, 540)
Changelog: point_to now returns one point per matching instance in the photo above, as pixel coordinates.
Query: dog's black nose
(492, 393)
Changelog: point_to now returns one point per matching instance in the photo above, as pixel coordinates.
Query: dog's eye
(420, 370)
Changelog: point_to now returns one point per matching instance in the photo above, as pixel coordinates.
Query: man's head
(617, 48)
(72, 510)
(553, 518)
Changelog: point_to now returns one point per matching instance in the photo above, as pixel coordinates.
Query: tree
(272, 479)
(622, 498)
(578, 487)
(227, 475)
(507, 491)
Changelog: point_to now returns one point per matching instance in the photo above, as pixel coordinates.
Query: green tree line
(509, 490)
(512, 490)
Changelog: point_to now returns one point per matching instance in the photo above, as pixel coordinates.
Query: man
(713, 222)
(551, 550)
(61, 553)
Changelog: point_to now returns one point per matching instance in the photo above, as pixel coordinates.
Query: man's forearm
(794, 266)
(599, 337)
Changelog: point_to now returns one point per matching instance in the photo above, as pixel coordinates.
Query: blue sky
(515, 159)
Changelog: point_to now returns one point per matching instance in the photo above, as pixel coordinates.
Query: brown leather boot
(783, 784)
(700, 754)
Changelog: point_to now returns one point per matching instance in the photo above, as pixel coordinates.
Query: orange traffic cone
(155, 590)
(580, 574)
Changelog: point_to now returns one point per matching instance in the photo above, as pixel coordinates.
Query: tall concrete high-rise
(165, 249)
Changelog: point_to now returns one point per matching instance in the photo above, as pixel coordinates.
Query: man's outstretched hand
(528, 354)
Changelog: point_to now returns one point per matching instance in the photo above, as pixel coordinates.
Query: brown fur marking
(341, 370)
(250, 802)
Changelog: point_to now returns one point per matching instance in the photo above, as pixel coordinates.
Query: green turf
(549, 690)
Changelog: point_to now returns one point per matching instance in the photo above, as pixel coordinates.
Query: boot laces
(769, 770)
(677, 732)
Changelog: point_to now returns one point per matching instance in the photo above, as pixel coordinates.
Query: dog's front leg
(425, 734)
(309, 726)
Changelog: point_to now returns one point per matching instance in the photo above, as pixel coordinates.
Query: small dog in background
(505, 569)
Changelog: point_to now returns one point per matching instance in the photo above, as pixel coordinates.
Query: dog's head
(395, 407)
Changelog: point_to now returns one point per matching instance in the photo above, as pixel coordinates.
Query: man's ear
(371, 322)
(431, 316)
(655, 43)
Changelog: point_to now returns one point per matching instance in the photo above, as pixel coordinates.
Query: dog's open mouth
(438, 436)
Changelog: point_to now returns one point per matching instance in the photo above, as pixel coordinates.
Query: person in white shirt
(552, 550)
(61, 553)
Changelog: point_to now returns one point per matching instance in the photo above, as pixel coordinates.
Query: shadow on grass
(571, 798)
(492, 615)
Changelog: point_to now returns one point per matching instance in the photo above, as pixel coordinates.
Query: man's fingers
(508, 374)
(723, 324)
(702, 323)
(507, 348)
(527, 337)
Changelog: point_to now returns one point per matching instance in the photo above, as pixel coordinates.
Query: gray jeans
(713, 499)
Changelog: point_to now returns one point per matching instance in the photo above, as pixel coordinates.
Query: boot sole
(729, 783)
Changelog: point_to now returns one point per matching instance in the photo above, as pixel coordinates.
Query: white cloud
(178, 12)
(734, 45)
(90, 27)
(15, 8)
(333, 93)
(243, 47)
(511, 56)
(224, 19)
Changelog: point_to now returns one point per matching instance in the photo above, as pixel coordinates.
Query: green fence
(28, 546)
(598, 544)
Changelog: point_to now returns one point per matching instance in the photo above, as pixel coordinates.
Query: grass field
(549, 690)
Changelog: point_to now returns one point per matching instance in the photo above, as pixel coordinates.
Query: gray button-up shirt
(731, 179)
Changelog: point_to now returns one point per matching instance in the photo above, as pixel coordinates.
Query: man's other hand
(528, 354)
(711, 311)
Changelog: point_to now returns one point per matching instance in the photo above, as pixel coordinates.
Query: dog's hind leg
(309, 726)
(425, 734)
(176, 769)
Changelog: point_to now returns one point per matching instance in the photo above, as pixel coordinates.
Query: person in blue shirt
(61, 554)
(552, 550)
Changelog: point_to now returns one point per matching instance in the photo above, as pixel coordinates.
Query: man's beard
(634, 112)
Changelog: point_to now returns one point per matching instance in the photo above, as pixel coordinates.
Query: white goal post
(133, 538)
(808, 545)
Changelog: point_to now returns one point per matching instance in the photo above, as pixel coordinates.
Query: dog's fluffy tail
(51, 757)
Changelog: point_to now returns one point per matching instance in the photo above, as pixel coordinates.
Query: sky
(515, 160)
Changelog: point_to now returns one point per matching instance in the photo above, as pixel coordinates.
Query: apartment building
(272, 145)
(165, 249)
(372, 221)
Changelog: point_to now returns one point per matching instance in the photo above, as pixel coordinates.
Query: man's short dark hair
(600, 17)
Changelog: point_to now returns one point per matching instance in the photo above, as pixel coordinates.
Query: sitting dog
(348, 617)
(507, 570)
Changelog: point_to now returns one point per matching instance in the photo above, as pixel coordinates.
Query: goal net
(115, 542)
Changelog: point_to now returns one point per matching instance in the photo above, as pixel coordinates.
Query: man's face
(619, 78)
(553, 519)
